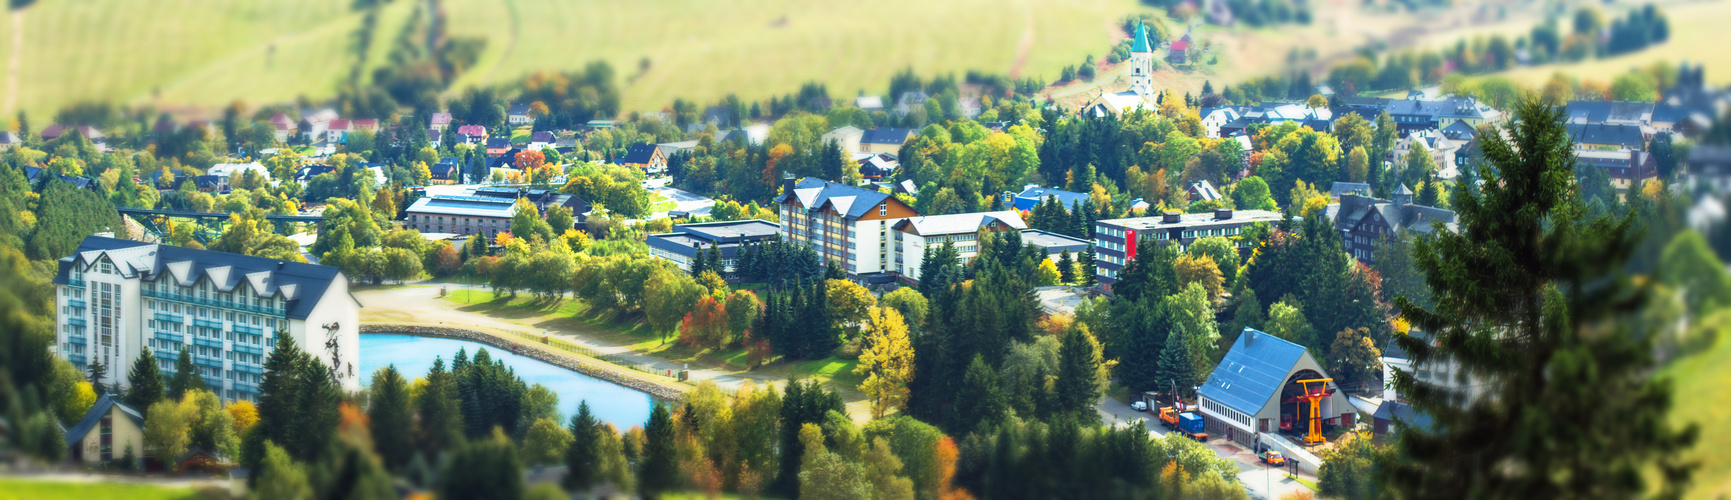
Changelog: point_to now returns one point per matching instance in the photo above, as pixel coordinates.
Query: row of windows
(1220, 409)
(205, 290)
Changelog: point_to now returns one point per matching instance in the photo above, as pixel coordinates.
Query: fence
(620, 361)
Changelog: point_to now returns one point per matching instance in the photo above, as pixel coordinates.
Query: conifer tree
(1177, 373)
(1078, 385)
(390, 417)
(144, 382)
(583, 458)
(1532, 297)
(441, 419)
(186, 377)
(98, 371)
(1066, 267)
(1087, 262)
(658, 472)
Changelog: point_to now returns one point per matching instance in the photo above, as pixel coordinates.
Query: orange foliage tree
(705, 325)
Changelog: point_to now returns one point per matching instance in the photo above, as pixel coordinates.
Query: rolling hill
(199, 55)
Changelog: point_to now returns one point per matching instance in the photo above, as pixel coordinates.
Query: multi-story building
(465, 215)
(1115, 240)
(116, 298)
(845, 224)
(1628, 169)
(687, 240)
(1365, 222)
(916, 234)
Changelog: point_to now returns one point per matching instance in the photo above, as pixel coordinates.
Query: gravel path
(420, 305)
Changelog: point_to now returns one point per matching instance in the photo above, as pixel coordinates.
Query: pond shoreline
(594, 369)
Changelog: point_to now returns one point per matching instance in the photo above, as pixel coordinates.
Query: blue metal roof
(1030, 197)
(1252, 372)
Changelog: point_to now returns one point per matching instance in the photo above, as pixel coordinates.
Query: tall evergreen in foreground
(1531, 298)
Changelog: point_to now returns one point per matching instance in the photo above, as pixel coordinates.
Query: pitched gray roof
(1252, 371)
(886, 135)
(293, 281)
(814, 193)
(94, 417)
(959, 223)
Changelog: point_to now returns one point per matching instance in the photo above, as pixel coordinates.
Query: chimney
(1169, 217)
(787, 182)
(1222, 213)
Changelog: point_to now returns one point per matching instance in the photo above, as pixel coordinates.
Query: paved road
(1262, 481)
(685, 201)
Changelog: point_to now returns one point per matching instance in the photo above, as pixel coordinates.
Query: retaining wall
(593, 369)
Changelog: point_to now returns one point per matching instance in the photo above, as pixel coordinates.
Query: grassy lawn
(1696, 381)
(21, 489)
(575, 316)
(1307, 483)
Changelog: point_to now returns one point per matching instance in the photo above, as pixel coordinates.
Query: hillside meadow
(181, 54)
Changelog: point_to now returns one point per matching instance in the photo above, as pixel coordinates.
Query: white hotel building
(114, 298)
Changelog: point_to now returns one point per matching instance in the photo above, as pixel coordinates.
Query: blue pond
(612, 403)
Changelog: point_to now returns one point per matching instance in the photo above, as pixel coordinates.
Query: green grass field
(1697, 37)
(182, 54)
(24, 489)
(1699, 383)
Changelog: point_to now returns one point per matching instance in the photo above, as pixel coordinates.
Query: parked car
(1139, 405)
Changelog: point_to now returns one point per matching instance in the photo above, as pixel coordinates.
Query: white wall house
(114, 298)
(915, 235)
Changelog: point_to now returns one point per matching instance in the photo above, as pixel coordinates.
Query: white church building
(1141, 93)
(115, 298)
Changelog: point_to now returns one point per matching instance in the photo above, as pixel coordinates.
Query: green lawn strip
(1693, 380)
(1305, 482)
(20, 489)
(664, 206)
(575, 316)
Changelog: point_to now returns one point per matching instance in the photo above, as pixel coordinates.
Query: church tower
(1141, 63)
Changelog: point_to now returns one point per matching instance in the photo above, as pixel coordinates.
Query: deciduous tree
(887, 361)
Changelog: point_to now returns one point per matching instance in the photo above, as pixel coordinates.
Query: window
(883, 209)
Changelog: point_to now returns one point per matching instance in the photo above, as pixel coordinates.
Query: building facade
(1365, 222)
(465, 215)
(913, 236)
(115, 298)
(1115, 240)
(688, 241)
(1254, 392)
(847, 225)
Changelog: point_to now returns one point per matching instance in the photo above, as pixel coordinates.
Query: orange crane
(1315, 396)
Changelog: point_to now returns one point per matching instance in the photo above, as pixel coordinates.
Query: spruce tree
(583, 458)
(390, 417)
(659, 470)
(186, 377)
(1088, 269)
(1078, 384)
(1532, 298)
(1177, 373)
(441, 419)
(144, 382)
(980, 404)
(98, 371)
(1066, 267)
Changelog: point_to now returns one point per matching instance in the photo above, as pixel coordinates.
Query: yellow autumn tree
(244, 413)
(1199, 268)
(849, 301)
(1048, 274)
(887, 360)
